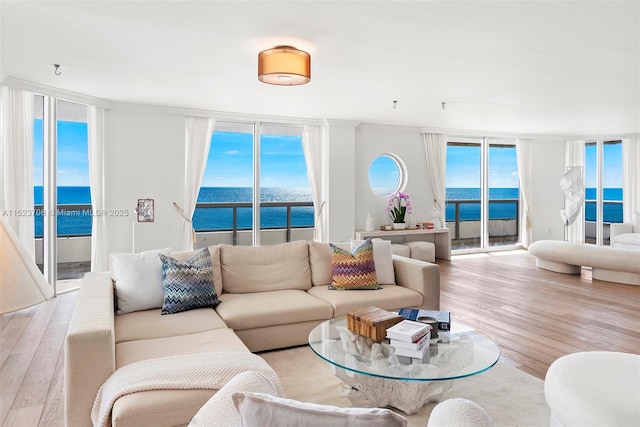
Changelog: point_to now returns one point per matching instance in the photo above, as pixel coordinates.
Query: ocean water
(270, 217)
(471, 211)
(78, 223)
(612, 208)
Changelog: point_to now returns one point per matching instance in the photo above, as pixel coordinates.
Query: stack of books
(410, 339)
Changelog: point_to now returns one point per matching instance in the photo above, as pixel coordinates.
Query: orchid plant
(399, 205)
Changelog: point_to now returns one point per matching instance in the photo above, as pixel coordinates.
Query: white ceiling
(542, 67)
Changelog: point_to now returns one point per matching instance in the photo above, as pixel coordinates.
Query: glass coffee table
(373, 371)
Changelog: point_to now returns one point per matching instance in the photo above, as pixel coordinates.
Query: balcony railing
(235, 206)
(457, 203)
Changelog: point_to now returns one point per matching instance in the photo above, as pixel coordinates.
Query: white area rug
(511, 397)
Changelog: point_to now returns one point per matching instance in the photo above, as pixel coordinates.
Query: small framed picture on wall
(145, 210)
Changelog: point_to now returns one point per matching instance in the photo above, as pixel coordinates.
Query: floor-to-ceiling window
(603, 189)
(249, 165)
(482, 192)
(61, 188)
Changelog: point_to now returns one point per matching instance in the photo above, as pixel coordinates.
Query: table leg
(407, 396)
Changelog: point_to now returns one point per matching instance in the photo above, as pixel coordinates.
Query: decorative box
(372, 322)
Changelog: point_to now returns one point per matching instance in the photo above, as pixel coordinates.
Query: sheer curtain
(16, 161)
(312, 148)
(99, 248)
(630, 178)
(198, 132)
(524, 150)
(574, 156)
(435, 149)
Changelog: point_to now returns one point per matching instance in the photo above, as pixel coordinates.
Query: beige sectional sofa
(271, 297)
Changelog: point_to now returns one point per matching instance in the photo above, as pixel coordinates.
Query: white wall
(404, 142)
(144, 159)
(339, 188)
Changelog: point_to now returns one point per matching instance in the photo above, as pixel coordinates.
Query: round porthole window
(386, 175)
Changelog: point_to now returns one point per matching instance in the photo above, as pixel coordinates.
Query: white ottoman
(400, 249)
(594, 388)
(424, 251)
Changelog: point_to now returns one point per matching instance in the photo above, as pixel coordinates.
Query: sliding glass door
(482, 193)
(62, 197)
(603, 189)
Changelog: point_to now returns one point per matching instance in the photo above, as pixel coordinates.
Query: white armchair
(626, 235)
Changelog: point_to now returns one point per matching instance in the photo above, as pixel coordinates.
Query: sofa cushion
(382, 258)
(388, 297)
(149, 324)
(265, 410)
(188, 284)
(214, 251)
(201, 342)
(246, 311)
(247, 269)
(138, 280)
(320, 261)
(158, 407)
(353, 269)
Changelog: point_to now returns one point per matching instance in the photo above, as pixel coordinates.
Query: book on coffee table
(417, 345)
(408, 331)
(443, 317)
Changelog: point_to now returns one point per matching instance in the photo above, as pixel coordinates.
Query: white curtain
(574, 156)
(524, 153)
(16, 163)
(630, 178)
(435, 149)
(99, 245)
(198, 132)
(312, 148)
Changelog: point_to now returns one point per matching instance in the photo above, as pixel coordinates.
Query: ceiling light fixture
(284, 66)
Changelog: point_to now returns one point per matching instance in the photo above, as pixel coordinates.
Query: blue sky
(230, 161)
(463, 167)
(73, 155)
(282, 161)
(612, 171)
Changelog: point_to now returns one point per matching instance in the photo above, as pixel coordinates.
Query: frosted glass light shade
(284, 66)
(21, 283)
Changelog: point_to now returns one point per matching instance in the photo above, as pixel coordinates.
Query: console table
(438, 236)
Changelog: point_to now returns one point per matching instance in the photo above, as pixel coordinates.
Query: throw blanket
(194, 371)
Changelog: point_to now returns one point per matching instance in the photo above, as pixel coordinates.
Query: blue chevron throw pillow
(188, 284)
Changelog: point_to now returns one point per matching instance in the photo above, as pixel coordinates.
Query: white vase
(399, 225)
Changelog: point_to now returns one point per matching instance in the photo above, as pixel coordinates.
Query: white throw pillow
(138, 280)
(263, 410)
(382, 258)
(636, 222)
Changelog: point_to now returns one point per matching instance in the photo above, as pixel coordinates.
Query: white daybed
(607, 263)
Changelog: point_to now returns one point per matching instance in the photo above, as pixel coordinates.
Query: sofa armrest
(621, 228)
(420, 276)
(89, 348)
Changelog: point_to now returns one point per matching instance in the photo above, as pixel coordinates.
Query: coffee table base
(407, 396)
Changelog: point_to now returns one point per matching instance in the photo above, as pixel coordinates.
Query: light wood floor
(535, 316)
